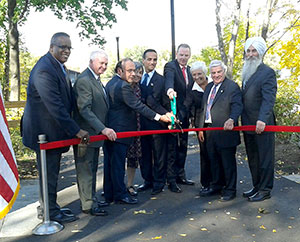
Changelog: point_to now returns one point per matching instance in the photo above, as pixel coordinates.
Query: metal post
(173, 29)
(46, 227)
(118, 53)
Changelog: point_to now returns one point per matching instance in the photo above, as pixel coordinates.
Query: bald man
(259, 94)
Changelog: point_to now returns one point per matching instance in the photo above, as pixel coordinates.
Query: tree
(91, 18)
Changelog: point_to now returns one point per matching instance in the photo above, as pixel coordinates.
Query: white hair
(98, 54)
(215, 63)
(199, 65)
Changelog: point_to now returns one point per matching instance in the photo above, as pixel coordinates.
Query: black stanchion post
(46, 227)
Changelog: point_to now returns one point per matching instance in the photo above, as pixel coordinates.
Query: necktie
(65, 71)
(184, 75)
(144, 81)
(210, 102)
(100, 83)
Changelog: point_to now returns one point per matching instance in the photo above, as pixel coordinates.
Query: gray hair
(215, 63)
(183, 46)
(138, 65)
(98, 54)
(199, 65)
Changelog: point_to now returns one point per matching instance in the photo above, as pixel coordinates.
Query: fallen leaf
(203, 229)
(274, 231)
(290, 227)
(209, 203)
(191, 219)
(228, 213)
(253, 235)
(258, 216)
(204, 210)
(276, 211)
(157, 237)
(233, 218)
(76, 231)
(140, 233)
(262, 227)
(153, 198)
(292, 218)
(183, 235)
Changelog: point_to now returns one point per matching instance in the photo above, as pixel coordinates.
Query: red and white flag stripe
(9, 178)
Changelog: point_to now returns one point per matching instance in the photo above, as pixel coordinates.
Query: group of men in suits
(53, 109)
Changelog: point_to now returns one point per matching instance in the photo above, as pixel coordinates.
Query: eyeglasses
(64, 47)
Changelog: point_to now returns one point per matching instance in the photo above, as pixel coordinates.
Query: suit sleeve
(236, 104)
(134, 103)
(169, 74)
(84, 104)
(154, 101)
(268, 92)
(49, 89)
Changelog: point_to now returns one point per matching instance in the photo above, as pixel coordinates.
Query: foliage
(136, 53)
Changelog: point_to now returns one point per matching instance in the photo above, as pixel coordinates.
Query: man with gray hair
(92, 107)
(259, 94)
(221, 107)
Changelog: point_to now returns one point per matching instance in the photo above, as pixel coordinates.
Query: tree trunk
(6, 91)
(219, 33)
(232, 42)
(13, 45)
(267, 17)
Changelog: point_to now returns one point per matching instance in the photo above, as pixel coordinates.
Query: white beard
(250, 67)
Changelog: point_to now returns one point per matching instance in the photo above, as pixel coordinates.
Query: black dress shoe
(250, 192)
(144, 187)
(63, 218)
(131, 190)
(259, 196)
(96, 211)
(209, 192)
(173, 187)
(40, 211)
(127, 200)
(203, 190)
(103, 203)
(185, 182)
(225, 198)
(156, 191)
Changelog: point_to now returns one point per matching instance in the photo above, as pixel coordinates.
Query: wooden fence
(14, 104)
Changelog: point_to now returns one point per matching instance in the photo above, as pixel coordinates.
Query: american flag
(9, 178)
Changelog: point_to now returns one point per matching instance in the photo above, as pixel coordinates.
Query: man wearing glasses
(50, 102)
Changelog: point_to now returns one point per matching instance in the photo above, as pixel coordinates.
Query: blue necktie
(144, 81)
(210, 102)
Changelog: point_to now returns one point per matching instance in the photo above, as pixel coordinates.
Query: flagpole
(46, 227)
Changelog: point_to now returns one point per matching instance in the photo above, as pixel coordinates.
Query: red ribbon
(121, 135)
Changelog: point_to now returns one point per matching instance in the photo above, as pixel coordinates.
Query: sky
(146, 23)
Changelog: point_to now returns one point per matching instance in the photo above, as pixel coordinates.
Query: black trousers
(205, 170)
(260, 150)
(223, 167)
(153, 162)
(114, 170)
(53, 158)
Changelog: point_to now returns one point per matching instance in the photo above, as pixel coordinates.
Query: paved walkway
(167, 216)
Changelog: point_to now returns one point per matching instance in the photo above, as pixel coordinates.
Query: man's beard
(250, 67)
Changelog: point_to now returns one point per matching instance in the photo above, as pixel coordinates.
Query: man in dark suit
(153, 162)
(259, 94)
(122, 117)
(222, 106)
(50, 102)
(92, 107)
(178, 83)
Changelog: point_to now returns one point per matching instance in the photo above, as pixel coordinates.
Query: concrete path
(167, 216)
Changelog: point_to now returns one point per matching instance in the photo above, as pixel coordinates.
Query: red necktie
(184, 75)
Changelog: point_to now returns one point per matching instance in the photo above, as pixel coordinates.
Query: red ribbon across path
(121, 135)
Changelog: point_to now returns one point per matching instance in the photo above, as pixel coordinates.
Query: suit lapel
(179, 73)
(220, 91)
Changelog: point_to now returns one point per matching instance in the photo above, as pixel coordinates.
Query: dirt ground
(287, 161)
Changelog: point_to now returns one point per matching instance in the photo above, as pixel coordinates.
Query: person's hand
(170, 115)
(229, 124)
(83, 136)
(260, 126)
(201, 136)
(165, 118)
(109, 133)
(172, 94)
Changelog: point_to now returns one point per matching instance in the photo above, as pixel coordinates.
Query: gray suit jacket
(92, 105)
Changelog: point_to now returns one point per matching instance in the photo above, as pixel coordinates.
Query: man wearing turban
(259, 94)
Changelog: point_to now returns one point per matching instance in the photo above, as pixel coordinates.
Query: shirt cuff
(170, 90)
(157, 117)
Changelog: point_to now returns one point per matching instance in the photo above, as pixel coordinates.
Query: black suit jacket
(50, 102)
(227, 104)
(174, 79)
(154, 97)
(259, 97)
(123, 105)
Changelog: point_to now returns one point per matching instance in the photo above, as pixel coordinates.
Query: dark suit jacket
(92, 105)
(50, 101)
(259, 97)
(123, 107)
(227, 104)
(154, 96)
(174, 79)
